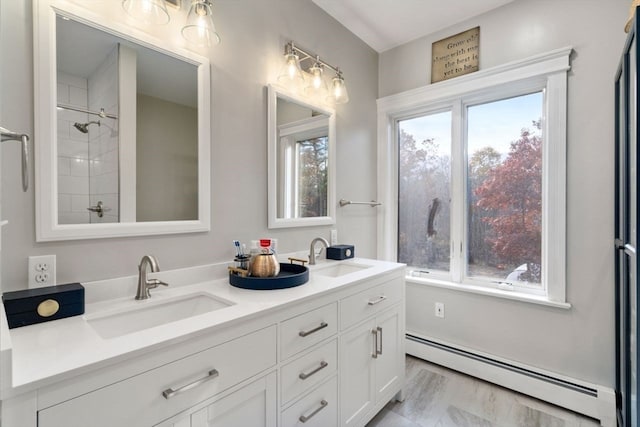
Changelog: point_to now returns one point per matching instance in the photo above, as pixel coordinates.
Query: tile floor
(439, 397)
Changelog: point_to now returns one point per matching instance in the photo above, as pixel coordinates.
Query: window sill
(498, 293)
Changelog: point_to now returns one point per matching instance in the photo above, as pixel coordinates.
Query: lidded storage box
(43, 304)
(340, 252)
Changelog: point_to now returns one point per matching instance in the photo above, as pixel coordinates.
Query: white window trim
(549, 71)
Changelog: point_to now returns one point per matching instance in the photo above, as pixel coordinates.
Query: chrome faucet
(145, 284)
(312, 249)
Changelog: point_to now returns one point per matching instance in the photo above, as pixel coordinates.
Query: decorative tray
(291, 275)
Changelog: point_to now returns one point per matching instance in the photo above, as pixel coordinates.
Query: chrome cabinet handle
(379, 329)
(170, 392)
(305, 333)
(305, 418)
(377, 300)
(375, 343)
(304, 375)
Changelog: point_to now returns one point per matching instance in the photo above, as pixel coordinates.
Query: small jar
(242, 262)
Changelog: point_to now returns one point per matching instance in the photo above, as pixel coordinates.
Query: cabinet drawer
(141, 400)
(319, 408)
(306, 371)
(307, 329)
(358, 307)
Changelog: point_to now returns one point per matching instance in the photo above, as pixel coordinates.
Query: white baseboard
(579, 396)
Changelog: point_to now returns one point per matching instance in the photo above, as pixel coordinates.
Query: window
(312, 158)
(475, 173)
(303, 150)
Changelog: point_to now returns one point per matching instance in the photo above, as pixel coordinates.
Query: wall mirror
(122, 129)
(301, 157)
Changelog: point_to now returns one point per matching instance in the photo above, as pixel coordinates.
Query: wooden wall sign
(455, 55)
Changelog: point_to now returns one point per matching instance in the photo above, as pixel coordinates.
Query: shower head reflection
(84, 127)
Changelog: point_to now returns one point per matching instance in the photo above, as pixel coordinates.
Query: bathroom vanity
(203, 353)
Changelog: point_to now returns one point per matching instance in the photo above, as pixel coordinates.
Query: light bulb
(316, 72)
(292, 66)
(290, 73)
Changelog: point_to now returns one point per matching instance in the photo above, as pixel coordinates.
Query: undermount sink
(154, 314)
(341, 269)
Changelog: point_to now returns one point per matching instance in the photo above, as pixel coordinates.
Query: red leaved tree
(513, 193)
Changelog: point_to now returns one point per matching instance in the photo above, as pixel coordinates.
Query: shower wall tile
(71, 80)
(64, 202)
(73, 218)
(104, 181)
(63, 94)
(73, 185)
(64, 167)
(73, 149)
(78, 97)
(79, 203)
(79, 167)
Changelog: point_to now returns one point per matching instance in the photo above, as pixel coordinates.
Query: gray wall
(253, 35)
(166, 160)
(578, 342)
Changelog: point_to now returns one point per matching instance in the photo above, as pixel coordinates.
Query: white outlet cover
(439, 310)
(42, 271)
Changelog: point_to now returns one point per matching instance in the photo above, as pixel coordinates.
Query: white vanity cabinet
(371, 351)
(160, 393)
(308, 381)
(253, 405)
(326, 354)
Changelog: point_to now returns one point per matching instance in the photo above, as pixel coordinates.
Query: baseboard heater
(591, 400)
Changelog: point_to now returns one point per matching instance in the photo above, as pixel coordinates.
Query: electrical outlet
(439, 310)
(42, 271)
(334, 237)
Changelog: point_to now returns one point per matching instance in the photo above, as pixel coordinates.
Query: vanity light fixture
(199, 28)
(147, 11)
(312, 80)
(291, 73)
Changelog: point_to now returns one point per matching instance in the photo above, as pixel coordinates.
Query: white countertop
(52, 351)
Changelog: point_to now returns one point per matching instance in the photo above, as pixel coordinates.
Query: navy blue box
(43, 304)
(340, 252)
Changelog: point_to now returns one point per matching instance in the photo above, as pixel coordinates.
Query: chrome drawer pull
(379, 329)
(305, 333)
(170, 392)
(375, 343)
(377, 300)
(304, 375)
(305, 418)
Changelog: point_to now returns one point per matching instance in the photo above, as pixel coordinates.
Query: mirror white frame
(275, 92)
(45, 135)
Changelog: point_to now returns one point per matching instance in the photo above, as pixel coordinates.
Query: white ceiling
(384, 24)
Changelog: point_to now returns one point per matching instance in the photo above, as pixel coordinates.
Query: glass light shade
(147, 11)
(338, 91)
(316, 84)
(291, 74)
(199, 28)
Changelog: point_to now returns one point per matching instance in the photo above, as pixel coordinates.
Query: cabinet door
(389, 363)
(253, 405)
(357, 373)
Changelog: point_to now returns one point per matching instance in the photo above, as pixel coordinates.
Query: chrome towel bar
(7, 135)
(372, 203)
